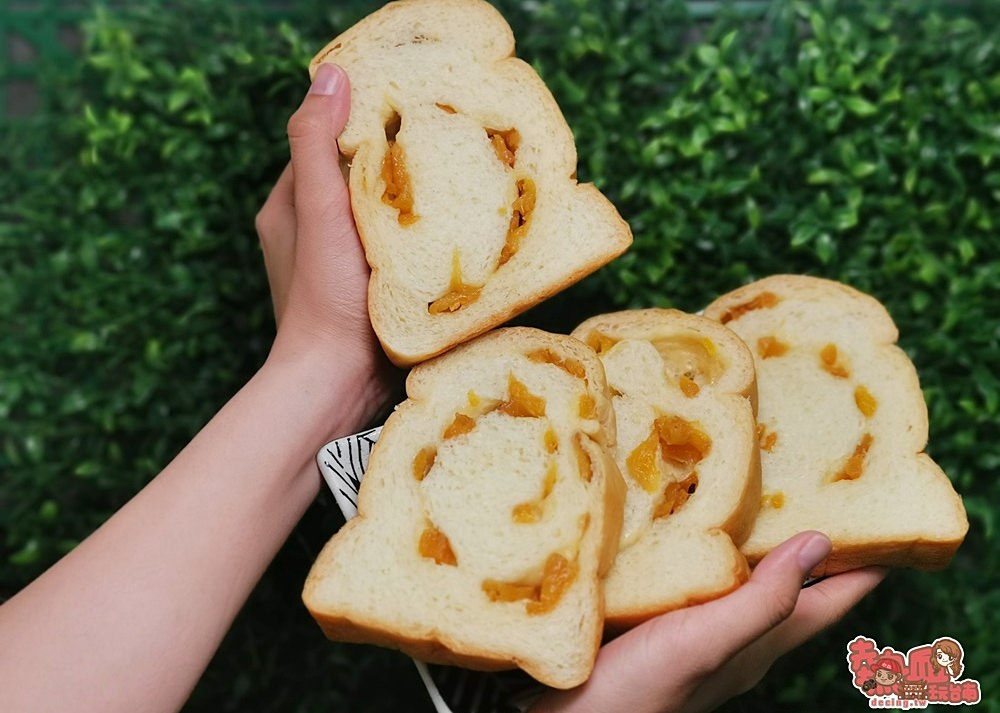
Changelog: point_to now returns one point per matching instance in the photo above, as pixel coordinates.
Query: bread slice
(489, 512)
(462, 176)
(683, 396)
(842, 427)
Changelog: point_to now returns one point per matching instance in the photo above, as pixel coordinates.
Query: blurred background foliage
(853, 140)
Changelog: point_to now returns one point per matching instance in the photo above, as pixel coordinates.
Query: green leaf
(87, 470)
(727, 41)
(863, 168)
(859, 106)
(28, 554)
(819, 95)
(177, 99)
(84, 342)
(821, 176)
(753, 213)
(707, 55)
(803, 233)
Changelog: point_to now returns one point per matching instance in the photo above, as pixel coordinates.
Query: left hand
(312, 252)
(694, 659)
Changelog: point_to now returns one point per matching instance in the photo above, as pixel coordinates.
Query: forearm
(129, 620)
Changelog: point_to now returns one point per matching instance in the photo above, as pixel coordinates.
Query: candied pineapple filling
(689, 387)
(583, 462)
(423, 462)
(765, 300)
(774, 500)
(855, 465)
(434, 545)
(398, 192)
(829, 359)
(526, 513)
(542, 597)
(676, 494)
(520, 219)
(866, 403)
(551, 441)
(505, 144)
(769, 347)
(521, 403)
(766, 440)
(600, 342)
(462, 424)
(682, 443)
(459, 293)
(643, 463)
(572, 366)
(677, 441)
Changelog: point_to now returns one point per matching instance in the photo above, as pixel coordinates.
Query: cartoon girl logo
(946, 654)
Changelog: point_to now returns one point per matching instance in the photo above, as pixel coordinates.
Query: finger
(822, 605)
(321, 196)
(280, 203)
(276, 227)
(818, 607)
(768, 598)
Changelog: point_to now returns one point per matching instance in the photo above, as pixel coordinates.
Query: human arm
(129, 620)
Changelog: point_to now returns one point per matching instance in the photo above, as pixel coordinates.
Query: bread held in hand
(490, 510)
(842, 428)
(462, 176)
(683, 393)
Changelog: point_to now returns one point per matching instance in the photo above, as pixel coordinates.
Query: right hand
(694, 659)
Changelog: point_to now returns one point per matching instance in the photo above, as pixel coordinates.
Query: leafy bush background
(840, 139)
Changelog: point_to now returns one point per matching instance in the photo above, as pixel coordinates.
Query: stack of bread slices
(535, 490)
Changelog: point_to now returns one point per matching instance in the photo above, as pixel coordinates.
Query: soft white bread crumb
(372, 583)
(668, 561)
(884, 503)
(444, 71)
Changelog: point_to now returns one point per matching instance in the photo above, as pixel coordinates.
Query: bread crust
(355, 592)
(718, 360)
(865, 511)
(458, 54)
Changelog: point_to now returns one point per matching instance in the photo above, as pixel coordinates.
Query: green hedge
(839, 139)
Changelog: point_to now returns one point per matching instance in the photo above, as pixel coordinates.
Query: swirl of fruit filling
(460, 294)
(515, 520)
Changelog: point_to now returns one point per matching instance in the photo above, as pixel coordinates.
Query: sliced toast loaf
(842, 428)
(489, 513)
(683, 393)
(462, 176)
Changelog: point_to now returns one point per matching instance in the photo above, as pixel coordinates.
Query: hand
(696, 658)
(315, 264)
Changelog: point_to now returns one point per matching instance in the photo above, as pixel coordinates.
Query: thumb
(320, 192)
(767, 599)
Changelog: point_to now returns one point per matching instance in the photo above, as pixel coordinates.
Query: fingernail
(813, 552)
(326, 79)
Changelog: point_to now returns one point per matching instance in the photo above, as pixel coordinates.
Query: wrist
(343, 387)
